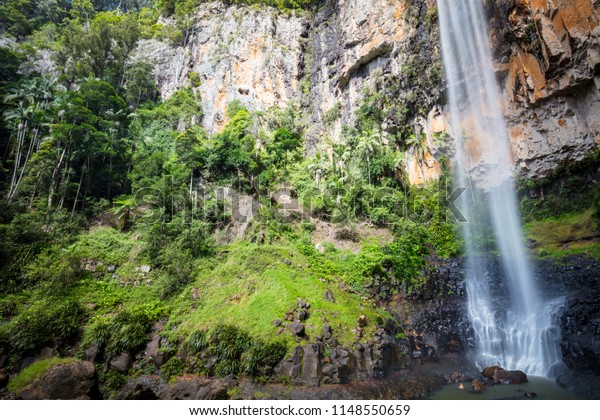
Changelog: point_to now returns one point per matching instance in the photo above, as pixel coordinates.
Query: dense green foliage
(562, 210)
(43, 322)
(183, 7)
(572, 187)
(126, 331)
(122, 219)
(119, 216)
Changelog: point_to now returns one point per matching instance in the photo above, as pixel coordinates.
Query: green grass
(244, 285)
(35, 371)
(107, 245)
(250, 286)
(568, 234)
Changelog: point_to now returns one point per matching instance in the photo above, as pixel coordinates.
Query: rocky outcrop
(401, 385)
(504, 377)
(72, 381)
(580, 327)
(549, 61)
(328, 61)
(323, 61)
(245, 53)
(581, 334)
(436, 317)
(319, 364)
(152, 388)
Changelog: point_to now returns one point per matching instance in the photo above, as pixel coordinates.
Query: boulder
(138, 390)
(490, 371)
(311, 365)
(152, 348)
(456, 377)
(71, 381)
(505, 377)
(297, 328)
(214, 390)
(47, 352)
(530, 395)
(302, 315)
(478, 386)
(3, 378)
(195, 389)
(510, 377)
(92, 354)
(122, 363)
(26, 362)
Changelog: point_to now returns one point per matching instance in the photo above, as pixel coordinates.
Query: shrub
(236, 352)
(197, 341)
(177, 270)
(195, 80)
(58, 270)
(98, 333)
(229, 342)
(370, 262)
(43, 322)
(8, 307)
(261, 355)
(380, 216)
(126, 331)
(110, 381)
(333, 114)
(174, 367)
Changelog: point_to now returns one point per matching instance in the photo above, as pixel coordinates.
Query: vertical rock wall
(326, 60)
(549, 62)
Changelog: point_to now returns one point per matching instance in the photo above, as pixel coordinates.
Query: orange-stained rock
(526, 78)
(423, 169)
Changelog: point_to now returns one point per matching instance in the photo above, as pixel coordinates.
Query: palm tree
(34, 102)
(420, 147)
(368, 144)
(123, 209)
(318, 165)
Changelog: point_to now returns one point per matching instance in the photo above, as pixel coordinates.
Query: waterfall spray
(518, 335)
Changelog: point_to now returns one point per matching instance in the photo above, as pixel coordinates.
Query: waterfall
(515, 333)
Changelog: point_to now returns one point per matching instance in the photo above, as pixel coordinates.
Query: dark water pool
(546, 389)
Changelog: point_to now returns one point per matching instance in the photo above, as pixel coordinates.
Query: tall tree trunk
(368, 167)
(64, 182)
(20, 141)
(53, 179)
(32, 144)
(78, 190)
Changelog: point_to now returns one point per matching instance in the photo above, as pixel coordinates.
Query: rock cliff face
(253, 55)
(549, 54)
(322, 61)
(329, 60)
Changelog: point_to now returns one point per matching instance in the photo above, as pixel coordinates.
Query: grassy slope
(571, 233)
(245, 285)
(250, 286)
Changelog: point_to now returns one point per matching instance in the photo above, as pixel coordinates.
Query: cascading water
(518, 334)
